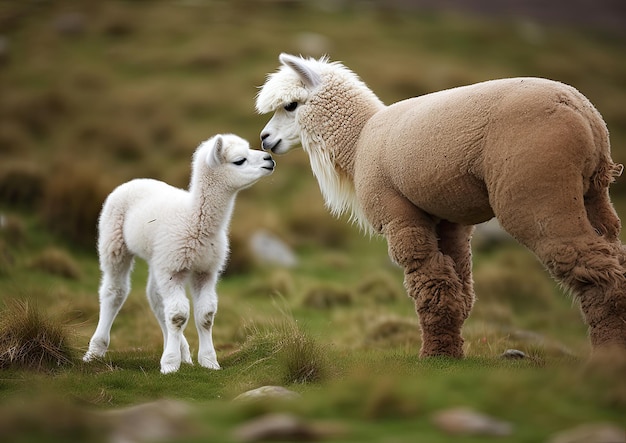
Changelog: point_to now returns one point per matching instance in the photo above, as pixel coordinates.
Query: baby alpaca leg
(156, 303)
(205, 308)
(431, 280)
(114, 289)
(176, 315)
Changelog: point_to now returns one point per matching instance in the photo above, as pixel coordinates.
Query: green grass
(135, 92)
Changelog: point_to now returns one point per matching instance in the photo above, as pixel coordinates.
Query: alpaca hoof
(169, 368)
(209, 364)
(452, 348)
(93, 355)
(169, 365)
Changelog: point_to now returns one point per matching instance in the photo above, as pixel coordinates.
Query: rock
(591, 433)
(4, 49)
(285, 427)
(267, 392)
(513, 354)
(161, 420)
(269, 249)
(70, 23)
(464, 421)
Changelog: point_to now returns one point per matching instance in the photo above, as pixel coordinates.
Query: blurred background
(95, 93)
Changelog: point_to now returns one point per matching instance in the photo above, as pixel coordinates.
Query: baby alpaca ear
(216, 157)
(303, 68)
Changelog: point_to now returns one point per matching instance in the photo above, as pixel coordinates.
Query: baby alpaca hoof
(169, 368)
(91, 356)
(93, 353)
(209, 364)
(169, 365)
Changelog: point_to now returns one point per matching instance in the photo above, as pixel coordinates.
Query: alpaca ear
(304, 69)
(216, 157)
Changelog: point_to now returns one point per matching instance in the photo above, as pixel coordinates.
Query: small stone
(70, 23)
(269, 249)
(4, 49)
(273, 427)
(591, 433)
(149, 422)
(267, 392)
(464, 421)
(513, 354)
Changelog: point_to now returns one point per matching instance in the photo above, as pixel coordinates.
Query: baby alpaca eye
(239, 162)
(291, 106)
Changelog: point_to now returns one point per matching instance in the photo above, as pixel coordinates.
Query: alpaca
(183, 235)
(532, 152)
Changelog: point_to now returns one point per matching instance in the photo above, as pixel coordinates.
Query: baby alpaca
(183, 235)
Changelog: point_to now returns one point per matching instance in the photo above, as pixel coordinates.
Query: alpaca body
(532, 152)
(150, 230)
(183, 236)
(437, 145)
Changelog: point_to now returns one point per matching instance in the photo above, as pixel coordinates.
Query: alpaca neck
(212, 204)
(331, 142)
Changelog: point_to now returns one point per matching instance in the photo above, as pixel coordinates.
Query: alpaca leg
(176, 315)
(205, 308)
(455, 242)
(156, 303)
(604, 219)
(556, 227)
(590, 267)
(430, 277)
(114, 289)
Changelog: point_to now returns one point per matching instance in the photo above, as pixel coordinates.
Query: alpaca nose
(266, 144)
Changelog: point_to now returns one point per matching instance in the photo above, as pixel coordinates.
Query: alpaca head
(231, 157)
(285, 94)
(305, 95)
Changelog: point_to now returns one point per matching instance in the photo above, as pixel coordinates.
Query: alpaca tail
(600, 210)
(112, 249)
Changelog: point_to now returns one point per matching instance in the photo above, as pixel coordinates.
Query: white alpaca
(183, 235)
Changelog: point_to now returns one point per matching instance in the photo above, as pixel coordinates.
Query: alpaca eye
(239, 162)
(291, 106)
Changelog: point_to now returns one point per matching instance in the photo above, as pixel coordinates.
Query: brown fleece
(532, 152)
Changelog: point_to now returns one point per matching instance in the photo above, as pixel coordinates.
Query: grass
(132, 92)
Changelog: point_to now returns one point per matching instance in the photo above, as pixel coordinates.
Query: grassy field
(92, 95)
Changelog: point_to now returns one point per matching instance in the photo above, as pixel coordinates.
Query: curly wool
(532, 152)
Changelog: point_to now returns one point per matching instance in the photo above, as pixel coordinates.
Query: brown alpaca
(532, 152)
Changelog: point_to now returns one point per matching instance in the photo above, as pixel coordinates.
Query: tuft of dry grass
(12, 230)
(325, 296)
(56, 262)
(21, 184)
(380, 288)
(31, 340)
(71, 205)
(301, 359)
(392, 331)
